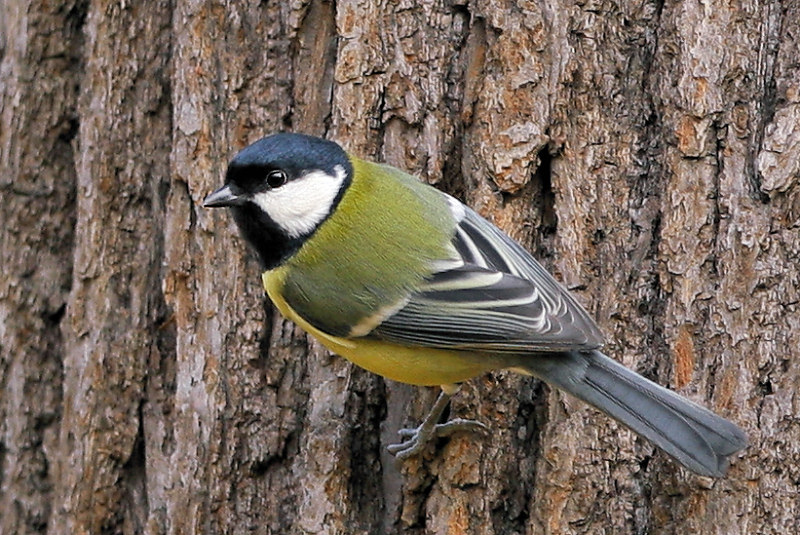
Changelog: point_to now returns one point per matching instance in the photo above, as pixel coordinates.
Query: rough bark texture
(648, 153)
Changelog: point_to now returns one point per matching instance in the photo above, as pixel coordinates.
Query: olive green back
(376, 248)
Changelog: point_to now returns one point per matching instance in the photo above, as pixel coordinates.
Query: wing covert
(493, 296)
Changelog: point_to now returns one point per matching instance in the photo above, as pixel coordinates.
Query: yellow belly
(413, 365)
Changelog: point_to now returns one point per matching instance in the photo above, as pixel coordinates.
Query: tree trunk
(647, 153)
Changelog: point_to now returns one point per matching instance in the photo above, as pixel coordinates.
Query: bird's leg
(416, 438)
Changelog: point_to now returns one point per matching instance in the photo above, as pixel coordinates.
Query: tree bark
(647, 153)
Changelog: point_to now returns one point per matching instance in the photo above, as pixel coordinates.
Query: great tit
(409, 283)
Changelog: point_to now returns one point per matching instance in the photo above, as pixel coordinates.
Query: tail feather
(696, 437)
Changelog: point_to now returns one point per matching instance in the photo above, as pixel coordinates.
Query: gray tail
(696, 437)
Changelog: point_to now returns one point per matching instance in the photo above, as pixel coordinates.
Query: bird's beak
(224, 196)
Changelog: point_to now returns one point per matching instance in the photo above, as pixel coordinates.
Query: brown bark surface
(647, 153)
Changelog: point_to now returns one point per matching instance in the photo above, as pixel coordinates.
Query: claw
(416, 438)
(410, 447)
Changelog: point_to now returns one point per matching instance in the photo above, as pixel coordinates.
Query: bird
(407, 282)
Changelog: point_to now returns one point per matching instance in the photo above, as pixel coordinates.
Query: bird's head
(280, 190)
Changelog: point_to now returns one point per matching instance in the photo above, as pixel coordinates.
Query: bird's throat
(271, 243)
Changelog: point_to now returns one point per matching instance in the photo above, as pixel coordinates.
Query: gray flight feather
(699, 439)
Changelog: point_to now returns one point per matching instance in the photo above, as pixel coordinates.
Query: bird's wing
(493, 297)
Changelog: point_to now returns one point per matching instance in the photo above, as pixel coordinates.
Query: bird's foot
(418, 437)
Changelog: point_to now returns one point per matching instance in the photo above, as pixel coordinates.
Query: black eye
(276, 179)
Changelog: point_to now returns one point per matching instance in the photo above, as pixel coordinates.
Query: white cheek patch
(300, 205)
